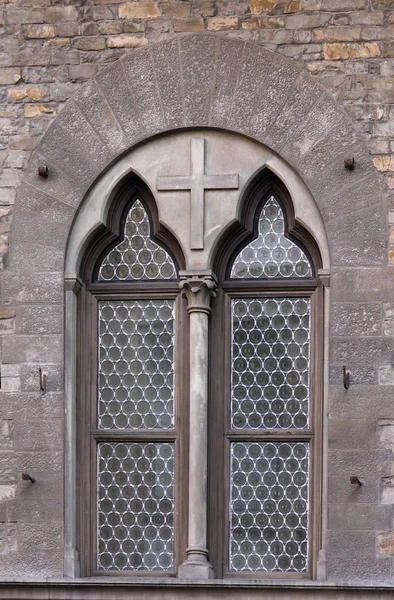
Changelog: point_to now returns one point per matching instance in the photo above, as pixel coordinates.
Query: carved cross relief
(197, 182)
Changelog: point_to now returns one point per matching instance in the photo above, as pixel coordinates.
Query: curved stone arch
(202, 81)
(205, 81)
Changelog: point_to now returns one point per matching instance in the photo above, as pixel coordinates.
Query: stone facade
(53, 51)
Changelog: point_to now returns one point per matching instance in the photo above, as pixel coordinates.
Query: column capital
(198, 287)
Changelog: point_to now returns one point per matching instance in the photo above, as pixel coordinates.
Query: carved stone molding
(198, 288)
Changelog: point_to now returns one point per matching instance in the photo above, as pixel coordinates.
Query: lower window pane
(269, 507)
(135, 506)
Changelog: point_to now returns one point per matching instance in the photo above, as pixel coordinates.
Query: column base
(196, 566)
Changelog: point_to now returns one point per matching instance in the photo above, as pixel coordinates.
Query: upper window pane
(271, 254)
(137, 256)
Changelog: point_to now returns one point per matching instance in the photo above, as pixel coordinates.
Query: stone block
(139, 10)
(39, 31)
(33, 349)
(343, 5)
(16, 15)
(138, 67)
(373, 463)
(351, 557)
(358, 375)
(340, 490)
(8, 537)
(96, 124)
(171, 10)
(361, 401)
(11, 462)
(352, 433)
(39, 319)
(360, 194)
(387, 490)
(28, 288)
(49, 233)
(48, 486)
(345, 51)
(83, 72)
(9, 75)
(228, 61)
(360, 351)
(113, 83)
(38, 110)
(222, 23)
(167, 66)
(59, 14)
(386, 543)
(361, 284)
(110, 27)
(255, 112)
(29, 381)
(386, 375)
(32, 404)
(356, 319)
(359, 239)
(125, 40)
(38, 435)
(89, 43)
(36, 511)
(194, 24)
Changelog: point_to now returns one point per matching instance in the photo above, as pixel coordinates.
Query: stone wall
(49, 49)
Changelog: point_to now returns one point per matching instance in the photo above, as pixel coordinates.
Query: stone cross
(197, 182)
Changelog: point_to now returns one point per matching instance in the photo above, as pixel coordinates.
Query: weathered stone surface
(192, 25)
(360, 351)
(22, 288)
(40, 31)
(198, 78)
(386, 543)
(39, 319)
(358, 375)
(359, 239)
(125, 40)
(254, 112)
(228, 60)
(9, 76)
(340, 488)
(167, 66)
(139, 10)
(351, 433)
(352, 555)
(363, 464)
(362, 193)
(361, 284)
(387, 490)
(372, 402)
(33, 348)
(346, 51)
(359, 517)
(95, 108)
(139, 68)
(355, 319)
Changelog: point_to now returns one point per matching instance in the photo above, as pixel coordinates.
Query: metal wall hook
(27, 477)
(346, 378)
(355, 480)
(43, 381)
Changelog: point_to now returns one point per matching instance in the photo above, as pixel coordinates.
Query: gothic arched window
(265, 397)
(130, 403)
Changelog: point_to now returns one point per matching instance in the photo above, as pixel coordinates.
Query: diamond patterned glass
(270, 363)
(136, 364)
(268, 507)
(135, 506)
(271, 254)
(137, 256)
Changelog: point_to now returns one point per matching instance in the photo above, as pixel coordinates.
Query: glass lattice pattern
(137, 256)
(271, 254)
(268, 507)
(135, 506)
(270, 363)
(136, 364)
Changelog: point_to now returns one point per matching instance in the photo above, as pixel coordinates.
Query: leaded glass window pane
(271, 254)
(270, 360)
(135, 506)
(136, 364)
(269, 507)
(137, 256)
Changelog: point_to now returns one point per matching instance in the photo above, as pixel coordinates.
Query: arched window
(132, 364)
(265, 397)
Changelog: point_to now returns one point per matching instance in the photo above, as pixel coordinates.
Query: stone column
(198, 288)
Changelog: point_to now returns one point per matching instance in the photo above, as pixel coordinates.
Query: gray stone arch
(199, 81)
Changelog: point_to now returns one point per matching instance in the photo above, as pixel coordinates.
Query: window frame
(88, 433)
(265, 185)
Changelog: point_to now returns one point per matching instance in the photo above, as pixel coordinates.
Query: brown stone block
(9, 76)
(180, 9)
(193, 24)
(125, 40)
(386, 543)
(15, 14)
(336, 34)
(89, 43)
(139, 10)
(348, 51)
(222, 23)
(7, 312)
(39, 31)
